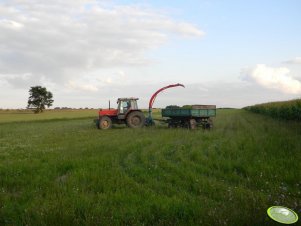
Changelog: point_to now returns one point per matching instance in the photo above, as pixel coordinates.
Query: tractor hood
(109, 112)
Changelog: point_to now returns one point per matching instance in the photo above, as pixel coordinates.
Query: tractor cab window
(124, 106)
(134, 105)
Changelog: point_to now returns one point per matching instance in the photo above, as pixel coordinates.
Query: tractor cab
(125, 105)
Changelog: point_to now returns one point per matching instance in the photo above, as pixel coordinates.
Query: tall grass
(288, 110)
(66, 172)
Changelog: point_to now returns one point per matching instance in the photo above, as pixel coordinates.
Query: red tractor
(127, 112)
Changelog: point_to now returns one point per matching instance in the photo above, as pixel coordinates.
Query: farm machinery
(128, 113)
(190, 116)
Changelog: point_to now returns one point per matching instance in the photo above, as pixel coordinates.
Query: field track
(59, 171)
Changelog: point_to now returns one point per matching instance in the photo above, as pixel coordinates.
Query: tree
(39, 97)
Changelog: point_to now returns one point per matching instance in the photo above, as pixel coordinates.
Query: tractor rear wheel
(135, 119)
(105, 122)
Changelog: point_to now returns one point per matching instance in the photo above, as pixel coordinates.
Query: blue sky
(229, 53)
(238, 34)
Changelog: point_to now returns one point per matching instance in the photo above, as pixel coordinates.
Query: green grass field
(55, 170)
(28, 115)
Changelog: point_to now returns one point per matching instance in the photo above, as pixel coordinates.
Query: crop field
(289, 110)
(56, 168)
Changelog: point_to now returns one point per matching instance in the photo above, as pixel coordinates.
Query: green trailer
(192, 116)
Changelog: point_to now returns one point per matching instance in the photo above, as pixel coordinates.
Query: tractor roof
(128, 98)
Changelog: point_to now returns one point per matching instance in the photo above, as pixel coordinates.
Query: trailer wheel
(192, 124)
(209, 124)
(185, 123)
(135, 119)
(171, 125)
(105, 122)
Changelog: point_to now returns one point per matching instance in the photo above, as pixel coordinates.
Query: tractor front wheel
(105, 122)
(135, 119)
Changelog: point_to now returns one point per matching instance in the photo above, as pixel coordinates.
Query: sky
(228, 53)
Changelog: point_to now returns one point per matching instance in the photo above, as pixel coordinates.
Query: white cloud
(273, 78)
(10, 24)
(297, 60)
(189, 30)
(19, 80)
(73, 85)
(61, 41)
(97, 81)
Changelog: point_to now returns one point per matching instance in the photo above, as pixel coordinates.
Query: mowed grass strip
(28, 115)
(66, 172)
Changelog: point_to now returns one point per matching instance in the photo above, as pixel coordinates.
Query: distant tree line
(40, 98)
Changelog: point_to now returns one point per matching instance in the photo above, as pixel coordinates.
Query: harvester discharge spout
(149, 120)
